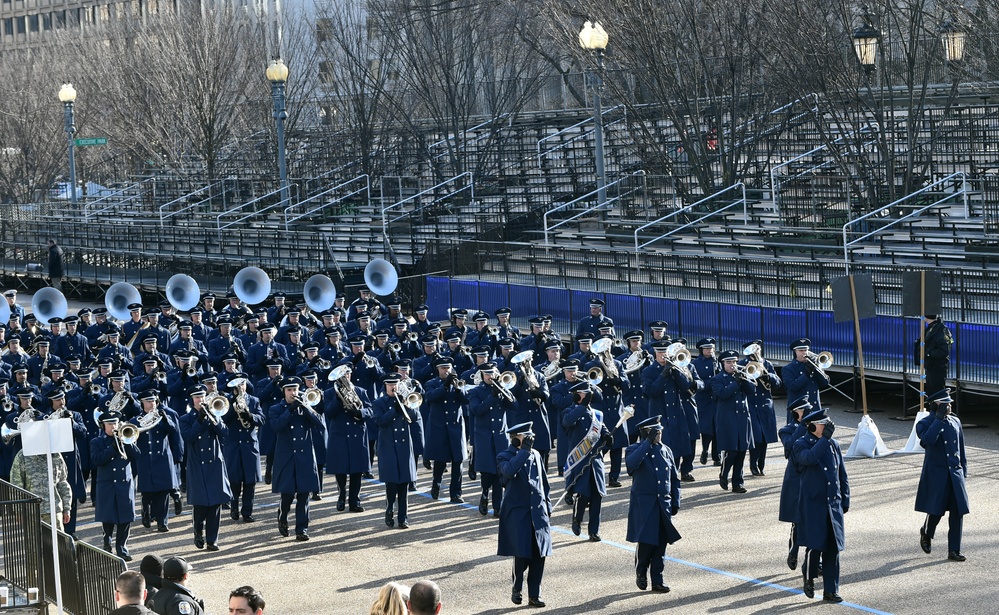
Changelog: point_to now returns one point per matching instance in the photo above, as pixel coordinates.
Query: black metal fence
(21, 526)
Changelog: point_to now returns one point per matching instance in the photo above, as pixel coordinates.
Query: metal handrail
(385, 220)
(192, 205)
(366, 188)
(964, 197)
(309, 181)
(575, 126)
(87, 205)
(745, 214)
(583, 198)
(291, 189)
(465, 132)
(813, 109)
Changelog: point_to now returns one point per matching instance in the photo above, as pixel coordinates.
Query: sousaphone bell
(251, 285)
(119, 297)
(381, 277)
(320, 293)
(182, 292)
(48, 303)
(4, 312)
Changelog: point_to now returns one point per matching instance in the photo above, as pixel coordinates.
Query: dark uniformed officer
(174, 598)
(242, 449)
(591, 323)
(207, 482)
(506, 328)
(586, 479)
(263, 352)
(445, 429)
(942, 486)
(346, 408)
(791, 485)
(733, 428)
(73, 342)
(822, 502)
(489, 404)
(655, 500)
(707, 367)
(74, 459)
(525, 515)
(801, 377)
(761, 406)
(156, 462)
(114, 504)
(396, 465)
(296, 474)
(938, 340)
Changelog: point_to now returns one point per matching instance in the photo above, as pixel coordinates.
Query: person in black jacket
(57, 267)
(129, 594)
(938, 341)
(174, 598)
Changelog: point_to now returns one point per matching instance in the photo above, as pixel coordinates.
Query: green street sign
(90, 141)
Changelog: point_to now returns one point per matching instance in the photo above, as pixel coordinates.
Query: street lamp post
(953, 38)
(67, 95)
(277, 74)
(593, 38)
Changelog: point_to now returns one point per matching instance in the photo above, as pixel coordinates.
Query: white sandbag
(913, 445)
(868, 442)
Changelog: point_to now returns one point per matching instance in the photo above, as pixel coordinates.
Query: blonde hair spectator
(392, 598)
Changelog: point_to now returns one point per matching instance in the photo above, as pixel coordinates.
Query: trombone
(821, 361)
(215, 407)
(750, 371)
(594, 376)
(504, 383)
(677, 356)
(406, 397)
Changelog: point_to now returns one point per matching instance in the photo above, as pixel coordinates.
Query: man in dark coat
(489, 405)
(938, 341)
(524, 522)
(942, 487)
(242, 449)
(670, 391)
(733, 428)
(130, 594)
(585, 478)
(296, 475)
(791, 485)
(57, 265)
(156, 469)
(207, 482)
(445, 429)
(823, 500)
(655, 499)
(396, 464)
(174, 598)
(76, 459)
(347, 407)
(707, 367)
(114, 505)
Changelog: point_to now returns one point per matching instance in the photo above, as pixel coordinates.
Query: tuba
(182, 292)
(381, 277)
(320, 293)
(251, 285)
(119, 297)
(49, 303)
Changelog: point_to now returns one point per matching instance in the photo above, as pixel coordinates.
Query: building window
(20, 25)
(324, 29)
(33, 23)
(47, 22)
(8, 26)
(326, 72)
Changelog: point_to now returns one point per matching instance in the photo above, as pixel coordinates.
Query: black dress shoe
(924, 541)
(457, 499)
(717, 463)
(389, 521)
(576, 527)
(125, 556)
(832, 597)
(687, 478)
(412, 486)
(536, 602)
(660, 588)
(234, 513)
(483, 505)
(756, 472)
(762, 473)
(212, 546)
(341, 505)
(301, 537)
(107, 544)
(641, 581)
(404, 525)
(471, 474)
(792, 559)
(435, 492)
(613, 483)
(809, 588)
(569, 499)
(704, 458)
(595, 538)
(956, 556)
(248, 519)
(282, 526)
(496, 513)
(368, 475)
(162, 527)
(516, 597)
(178, 506)
(199, 541)
(146, 519)
(317, 497)
(357, 508)
(739, 489)
(723, 482)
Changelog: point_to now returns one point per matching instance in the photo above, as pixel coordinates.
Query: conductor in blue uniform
(524, 522)
(823, 500)
(396, 464)
(296, 475)
(942, 487)
(207, 482)
(655, 499)
(114, 504)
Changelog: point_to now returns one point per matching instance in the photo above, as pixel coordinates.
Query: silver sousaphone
(119, 297)
(381, 277)
(251, 285)
(182, 292)
(48, 303)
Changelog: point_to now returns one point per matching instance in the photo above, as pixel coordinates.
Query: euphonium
(129, 433)
(636, 361)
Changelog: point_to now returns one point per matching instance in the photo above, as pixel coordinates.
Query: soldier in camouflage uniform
(31, 474)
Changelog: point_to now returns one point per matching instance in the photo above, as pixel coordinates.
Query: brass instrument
(522, 362)
(551, 370)
(161, 376)
(44, 380)
(67, 385)
(504, 383)
(215, 407)
(492, 331)
(62, 413)
(8, 405)
(750, 371)
(191, 371)
(8, 434)
(129, 433)
(406, 397)
(242, 410)
(144, 326)
(94, 389)
(322, 364)
(821, 361)
(602, 348)
(344, 389)
(636, 361)
(412, 336)
(677, 355)
(312, 397)
(594, 376)
(753, 350)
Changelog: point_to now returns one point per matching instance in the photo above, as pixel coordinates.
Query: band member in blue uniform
(296, 475)
(156, 465)
(613, 386)
(655, 500)
(347, 407)
(506, 329)
(801, 377)
(591, 323)
(707, 367)
(822, 502)
(489, 404)
(791, 485)
(396, 464)
(242, 449)
(445, 429)
(586, 479)
(207, 481)
(733, 428)
(525, 515)
(114, 504)
(942, 487)
(761, 406)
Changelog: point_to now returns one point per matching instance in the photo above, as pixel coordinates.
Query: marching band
(288, 392)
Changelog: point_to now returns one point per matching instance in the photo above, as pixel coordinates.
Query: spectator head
(392, 599)
(176, 569)
(424, 598)
(152, 565)
(246, 601)
(130, 588)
